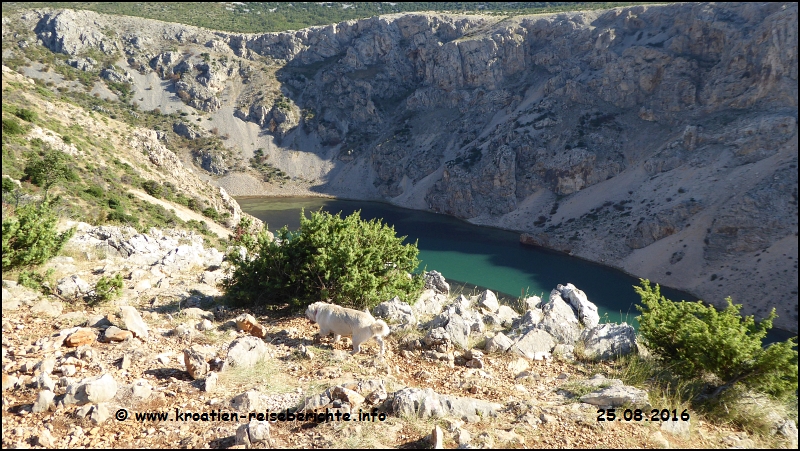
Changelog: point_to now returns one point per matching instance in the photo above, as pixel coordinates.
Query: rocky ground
(457, 372)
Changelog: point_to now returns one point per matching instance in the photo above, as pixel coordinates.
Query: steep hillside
(658, 139)
(111, 165)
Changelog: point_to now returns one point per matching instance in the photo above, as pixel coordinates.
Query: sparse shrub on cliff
(26, 115)
(152, 188)
(348, 261)
(8, 185)
(699, 342)
(210, 212)
(37, 281)
(195, 204)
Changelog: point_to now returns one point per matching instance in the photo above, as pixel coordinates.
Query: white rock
(488, 300)
(131, 320)
(44, 401)
(587, 311)
(92, 390)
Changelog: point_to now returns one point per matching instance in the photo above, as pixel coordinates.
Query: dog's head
(311, 312)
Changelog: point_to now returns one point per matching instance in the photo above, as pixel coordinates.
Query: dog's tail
(380, 328)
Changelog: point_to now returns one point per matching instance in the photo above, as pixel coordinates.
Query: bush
(50, 169)
(12, 127)
(37, 281)
(8, 185)
(210, 212)
(107, 288)
(152, 188)
(346, 261)
(30, 237)
(118, 215)
(26, 115)
(698, 341)
(195, 204)
(95, 191)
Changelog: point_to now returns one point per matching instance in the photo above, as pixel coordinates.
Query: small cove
(471, 257)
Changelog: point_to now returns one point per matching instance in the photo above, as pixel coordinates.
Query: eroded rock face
(436, 282)
(559, 320)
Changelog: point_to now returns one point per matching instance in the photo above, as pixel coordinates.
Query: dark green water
(472, 255)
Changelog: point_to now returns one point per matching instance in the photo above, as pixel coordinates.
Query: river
(472, 257)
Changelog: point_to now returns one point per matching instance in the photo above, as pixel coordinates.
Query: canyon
(659, 139)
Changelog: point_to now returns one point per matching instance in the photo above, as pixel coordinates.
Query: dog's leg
(380, 341)
(336, 338)
(360, 337)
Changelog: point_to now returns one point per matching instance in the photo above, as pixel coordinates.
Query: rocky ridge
(661, 140)
(475, 373)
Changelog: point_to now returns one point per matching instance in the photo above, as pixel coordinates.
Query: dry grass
(268, 376)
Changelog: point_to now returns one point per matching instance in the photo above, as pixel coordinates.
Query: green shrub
(210, 212)
(118, 215)
(194, 204)
(197, 225)
(181, 199)
(30, 237)
(168, 190)
(12, 127)
(95, 191)
(700, 342)
(346, 261)
(26, 115)
(8, 185)
(37, 281)
(53, 167)
(107, 288)
(152, 188)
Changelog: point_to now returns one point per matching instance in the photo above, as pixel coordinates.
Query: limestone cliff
(658, 139)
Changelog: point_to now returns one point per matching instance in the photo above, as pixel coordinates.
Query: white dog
(361, 326)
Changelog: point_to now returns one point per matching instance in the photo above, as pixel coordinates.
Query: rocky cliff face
(658, 139)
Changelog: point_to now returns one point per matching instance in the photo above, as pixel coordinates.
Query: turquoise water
(468, 255)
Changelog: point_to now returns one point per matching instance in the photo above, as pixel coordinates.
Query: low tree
(699, 341)
(30, 237)
(51, 168)
(348, 261)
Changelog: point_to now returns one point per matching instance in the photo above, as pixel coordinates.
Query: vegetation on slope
(94, 183)
(263, 17)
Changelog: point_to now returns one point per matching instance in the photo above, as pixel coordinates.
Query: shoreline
(782, 333)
